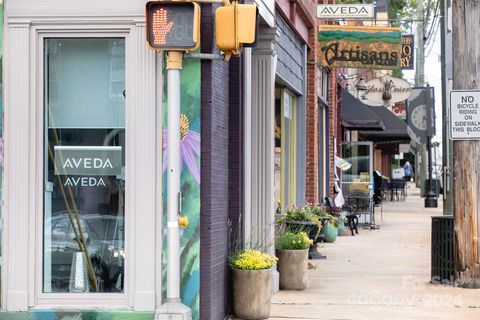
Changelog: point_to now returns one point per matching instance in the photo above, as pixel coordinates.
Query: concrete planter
(292, 266)
(252, 293)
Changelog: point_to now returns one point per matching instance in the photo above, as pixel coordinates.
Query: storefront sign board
(407, 57)
(399, 90)
(345, 11)
(360, 47)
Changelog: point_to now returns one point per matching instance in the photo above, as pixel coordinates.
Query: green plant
(293, 241)
(251, 260)
(316, 210)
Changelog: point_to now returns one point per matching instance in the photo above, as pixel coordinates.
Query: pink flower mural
(189, 148)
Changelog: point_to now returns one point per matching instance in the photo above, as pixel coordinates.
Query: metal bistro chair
(352, 219)
(397, 190)
(363, 206)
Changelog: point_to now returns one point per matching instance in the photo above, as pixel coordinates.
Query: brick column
(312, 120)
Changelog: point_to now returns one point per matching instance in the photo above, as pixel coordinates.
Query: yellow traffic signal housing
(173, 25)
(235, 25)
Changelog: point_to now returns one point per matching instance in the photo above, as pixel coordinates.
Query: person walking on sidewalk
(408, 172)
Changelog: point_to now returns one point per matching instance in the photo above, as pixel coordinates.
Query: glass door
(358, 180)
(84, 211)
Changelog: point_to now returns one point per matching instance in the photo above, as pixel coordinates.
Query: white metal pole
(173, 183)
(173, 308)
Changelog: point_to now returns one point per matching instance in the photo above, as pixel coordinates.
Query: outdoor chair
(362, 206)
(352, 219)
(398, 190)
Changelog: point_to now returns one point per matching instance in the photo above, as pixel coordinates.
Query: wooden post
(466, 76)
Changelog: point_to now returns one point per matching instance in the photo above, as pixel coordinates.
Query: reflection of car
(103, 234)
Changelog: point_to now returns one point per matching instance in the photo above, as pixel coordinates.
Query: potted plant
(341, 223)
(305, 219)
(330, 229)
(252, 283)
(292, 252)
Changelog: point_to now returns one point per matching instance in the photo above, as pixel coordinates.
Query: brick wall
(312, 179)
(215, 178)
(312, 120)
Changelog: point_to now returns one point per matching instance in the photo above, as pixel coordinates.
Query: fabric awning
(395, 128)
(357, 115)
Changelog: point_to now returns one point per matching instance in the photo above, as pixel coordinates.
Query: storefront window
(84, 212)
(285, 149)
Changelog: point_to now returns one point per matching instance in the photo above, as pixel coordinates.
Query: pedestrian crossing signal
(235, 27)
(173, 25)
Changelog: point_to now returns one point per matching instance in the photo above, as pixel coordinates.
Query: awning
(357, 115)
(395, 128)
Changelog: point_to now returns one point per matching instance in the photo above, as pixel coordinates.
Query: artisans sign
(345, 11)
(359, 47)
(465, 115)
(407, 56)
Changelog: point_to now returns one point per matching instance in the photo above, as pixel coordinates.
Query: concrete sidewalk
(379, 274)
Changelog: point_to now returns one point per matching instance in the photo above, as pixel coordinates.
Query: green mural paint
(76, 315)
(189, 184)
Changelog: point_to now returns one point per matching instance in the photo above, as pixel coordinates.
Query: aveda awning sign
(345, 11)
(360, 47)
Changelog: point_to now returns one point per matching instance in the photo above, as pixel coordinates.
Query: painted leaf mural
(189, 186)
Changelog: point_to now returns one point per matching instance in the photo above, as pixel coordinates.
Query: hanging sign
(407, 56)
(465, 115)
(345, 11)
(342, 164)
(387, 90)
(359, 47)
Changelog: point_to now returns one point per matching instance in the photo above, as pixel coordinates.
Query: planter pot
(292, 266)
(341, 227)
(330, 232)
(252, 292)
(311, 228)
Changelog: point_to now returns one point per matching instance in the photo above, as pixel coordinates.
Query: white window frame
(22, 284)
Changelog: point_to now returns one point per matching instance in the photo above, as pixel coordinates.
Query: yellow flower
(253, 260)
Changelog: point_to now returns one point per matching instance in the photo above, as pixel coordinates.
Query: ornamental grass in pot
(292, 252)
(252, 284)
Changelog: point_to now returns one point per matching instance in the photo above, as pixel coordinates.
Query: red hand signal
(161, 26)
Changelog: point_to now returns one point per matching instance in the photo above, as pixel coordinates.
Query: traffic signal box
(173, 25)
(235, 26)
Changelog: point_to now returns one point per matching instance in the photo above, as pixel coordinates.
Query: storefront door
(358, 180)
(84, 210)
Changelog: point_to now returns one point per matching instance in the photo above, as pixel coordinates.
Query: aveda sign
(88, 161)
(345, 11)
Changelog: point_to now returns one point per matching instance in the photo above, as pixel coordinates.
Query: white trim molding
(23, 184)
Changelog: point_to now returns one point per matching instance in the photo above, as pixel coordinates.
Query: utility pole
(420, 61)
(420, 155)
(466, 169)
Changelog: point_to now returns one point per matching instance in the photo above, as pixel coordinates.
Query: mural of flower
(189, 148)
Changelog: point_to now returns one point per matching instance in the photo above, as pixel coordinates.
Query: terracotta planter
(292, 266)
(252, 293)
